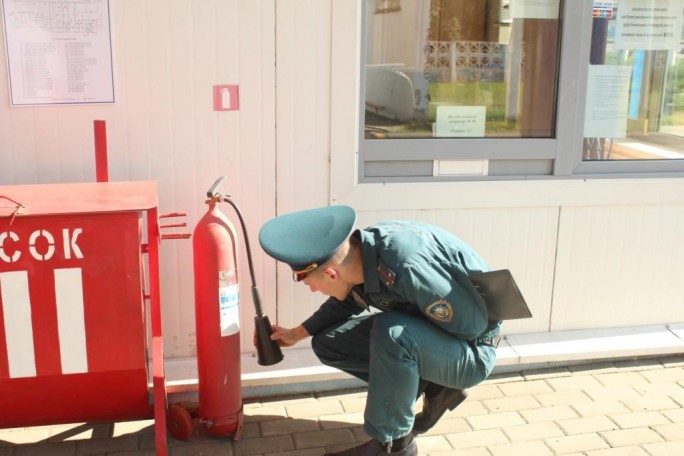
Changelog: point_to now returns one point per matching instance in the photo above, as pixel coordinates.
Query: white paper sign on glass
(460, 121)
(607, 101)
(652, 25)
(535, 9)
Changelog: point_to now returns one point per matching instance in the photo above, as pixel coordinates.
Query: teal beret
(304, 238)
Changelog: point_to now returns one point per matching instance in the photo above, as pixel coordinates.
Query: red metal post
(158, 374)
(101, 165)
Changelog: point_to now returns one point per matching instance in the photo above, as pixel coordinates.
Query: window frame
(564, 151)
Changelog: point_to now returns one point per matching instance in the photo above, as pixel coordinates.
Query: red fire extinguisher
(217, 321)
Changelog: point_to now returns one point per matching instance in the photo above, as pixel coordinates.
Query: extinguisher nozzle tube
(268, 350)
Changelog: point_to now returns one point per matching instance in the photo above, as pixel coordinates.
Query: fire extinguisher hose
(255, 291)
(268, 351)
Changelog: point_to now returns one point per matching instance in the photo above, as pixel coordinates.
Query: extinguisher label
(228, 306)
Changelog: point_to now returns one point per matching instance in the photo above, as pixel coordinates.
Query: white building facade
(595, 245)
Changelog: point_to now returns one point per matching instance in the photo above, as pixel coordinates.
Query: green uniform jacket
(414, 267)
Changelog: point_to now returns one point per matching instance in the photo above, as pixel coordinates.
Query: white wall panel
(303, 129)
(586, 253)
(566, 300)
(619, 266)
(167, 56)
(520, 239)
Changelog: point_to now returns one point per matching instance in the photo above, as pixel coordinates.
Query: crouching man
(431, 335)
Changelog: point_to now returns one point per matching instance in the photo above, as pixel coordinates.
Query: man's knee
(391, 333)
(321, 346)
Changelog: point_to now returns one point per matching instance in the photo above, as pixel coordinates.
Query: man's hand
(288, 337)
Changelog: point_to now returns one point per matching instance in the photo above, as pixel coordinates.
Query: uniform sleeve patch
(440, 310)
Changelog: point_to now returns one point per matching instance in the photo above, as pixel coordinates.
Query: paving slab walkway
(631, 408)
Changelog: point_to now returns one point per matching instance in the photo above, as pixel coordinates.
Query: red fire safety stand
(73, 316)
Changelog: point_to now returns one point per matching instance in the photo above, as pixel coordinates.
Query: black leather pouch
(501, 295)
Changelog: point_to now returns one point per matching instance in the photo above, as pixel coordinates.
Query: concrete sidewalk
(613, 408)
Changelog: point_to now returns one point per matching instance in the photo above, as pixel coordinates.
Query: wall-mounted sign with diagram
(58, 51)
(460, 121)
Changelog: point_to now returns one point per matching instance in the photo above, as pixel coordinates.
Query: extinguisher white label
(228, 308)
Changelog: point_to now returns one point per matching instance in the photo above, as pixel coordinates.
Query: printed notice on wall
(58, 51)
(468, 121)
(535, 9)
(607, 101)
(652, 25)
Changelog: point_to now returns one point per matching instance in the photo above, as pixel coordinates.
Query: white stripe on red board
(71, 320)
(18, 327)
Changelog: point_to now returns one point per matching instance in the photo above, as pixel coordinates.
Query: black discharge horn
(268, 351)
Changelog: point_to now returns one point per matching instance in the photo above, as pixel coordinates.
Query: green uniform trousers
(397, 354)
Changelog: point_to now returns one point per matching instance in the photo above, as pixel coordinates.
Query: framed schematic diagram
(58, 51)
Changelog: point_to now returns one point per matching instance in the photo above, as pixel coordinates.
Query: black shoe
(405, 446)
(438, 399)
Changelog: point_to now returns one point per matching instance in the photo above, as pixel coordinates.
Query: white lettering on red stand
(3, 256)
(69, 245)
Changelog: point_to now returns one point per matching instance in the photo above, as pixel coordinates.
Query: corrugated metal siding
(520, 239)
(619, 266)
(167, 56)
(523, 236)
(303, 128)
(573, 244)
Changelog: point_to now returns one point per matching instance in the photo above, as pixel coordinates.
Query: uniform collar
(369, 254)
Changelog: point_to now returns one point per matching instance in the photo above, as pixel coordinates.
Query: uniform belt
(488, 341)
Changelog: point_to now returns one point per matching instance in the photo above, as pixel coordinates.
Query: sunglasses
(302, 274)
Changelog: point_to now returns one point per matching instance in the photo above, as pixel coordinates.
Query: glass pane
(461, 68)
(635, 88)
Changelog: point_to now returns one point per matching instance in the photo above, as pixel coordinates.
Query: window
(501, 89)
(635, 84)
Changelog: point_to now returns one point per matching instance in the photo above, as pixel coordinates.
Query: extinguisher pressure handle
(212, 193)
